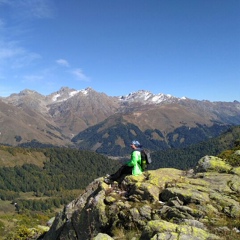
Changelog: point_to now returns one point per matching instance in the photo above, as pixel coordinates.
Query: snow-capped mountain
(64, 94)
(146, 97)
(60, 116)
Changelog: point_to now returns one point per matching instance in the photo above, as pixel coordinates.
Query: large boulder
(212, 163)
(160, 229)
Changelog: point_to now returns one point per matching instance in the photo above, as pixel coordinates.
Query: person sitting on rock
(131, 167)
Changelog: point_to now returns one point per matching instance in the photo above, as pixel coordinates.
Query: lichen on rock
(159, 204)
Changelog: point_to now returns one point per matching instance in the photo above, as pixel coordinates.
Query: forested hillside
(60, 170)
(186, 158)
(51, 171)
(114, 140)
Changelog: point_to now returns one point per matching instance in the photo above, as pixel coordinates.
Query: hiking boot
(107, 181)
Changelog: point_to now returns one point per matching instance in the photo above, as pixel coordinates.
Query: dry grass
(17, 158)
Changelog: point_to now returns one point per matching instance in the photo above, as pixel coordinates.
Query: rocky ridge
(198, 204)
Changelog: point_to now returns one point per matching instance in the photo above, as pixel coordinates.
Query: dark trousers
(121, 172)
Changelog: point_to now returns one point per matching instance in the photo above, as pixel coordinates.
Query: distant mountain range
(88, 119)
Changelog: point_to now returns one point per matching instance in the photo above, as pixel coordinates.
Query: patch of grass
(12, 224)
(122, 234)
(22, 226)
(2, 228)
(231, 157)
(11, 157)
(6, 207)
(217, 225)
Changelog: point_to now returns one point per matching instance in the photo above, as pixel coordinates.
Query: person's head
(135, 144)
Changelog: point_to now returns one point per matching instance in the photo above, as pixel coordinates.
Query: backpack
(145, 159)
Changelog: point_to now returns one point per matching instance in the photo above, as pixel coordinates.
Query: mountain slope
(81, 110)
(21, 125)
(186, 158)
(114, 135)
(162, 120)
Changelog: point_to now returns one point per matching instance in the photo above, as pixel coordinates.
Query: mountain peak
(147, 97)
(28, 92)
(65, 93)
(66, 89)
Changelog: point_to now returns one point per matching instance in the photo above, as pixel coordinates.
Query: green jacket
(135, 162)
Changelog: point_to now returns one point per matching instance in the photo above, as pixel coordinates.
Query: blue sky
(180, 47)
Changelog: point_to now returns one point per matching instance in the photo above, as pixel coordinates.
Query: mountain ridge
(132, 96)
(60, 116)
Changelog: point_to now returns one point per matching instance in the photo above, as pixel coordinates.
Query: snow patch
(61, 97)
(55, 97)
(84, 91)
(73, 93)
(147, 97)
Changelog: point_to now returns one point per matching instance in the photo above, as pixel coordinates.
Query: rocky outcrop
(159, 204)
